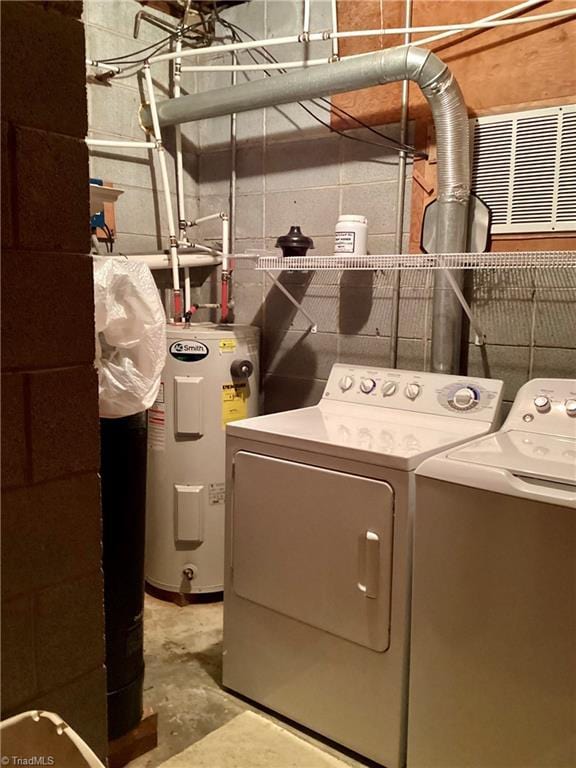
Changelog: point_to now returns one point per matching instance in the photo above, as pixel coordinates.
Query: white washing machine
(493, 648)
(318, 548)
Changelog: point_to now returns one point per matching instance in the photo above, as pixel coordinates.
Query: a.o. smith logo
(189, 351)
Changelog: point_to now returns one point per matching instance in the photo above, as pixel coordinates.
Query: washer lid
(524, 454)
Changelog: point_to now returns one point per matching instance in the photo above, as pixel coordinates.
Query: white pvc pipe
(178, 138)
(177, 76)
(187, 290)
(186, 260)
(114, 143)
(106, 67)
(255, 67)
(164, 174)
(306, 25)
(210, 217)
(453, 27)
(501, 14)
(318, 36)
(225, 243)
(335, 45)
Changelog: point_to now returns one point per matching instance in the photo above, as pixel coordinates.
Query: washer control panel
(547, 406)
(415, 391)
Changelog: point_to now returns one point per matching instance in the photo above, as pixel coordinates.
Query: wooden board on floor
(136, 742)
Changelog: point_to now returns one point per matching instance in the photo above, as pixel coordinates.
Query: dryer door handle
(370, 558)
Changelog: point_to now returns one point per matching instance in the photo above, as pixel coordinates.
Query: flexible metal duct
(451, 121)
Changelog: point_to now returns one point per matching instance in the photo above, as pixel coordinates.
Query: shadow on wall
(355, 304)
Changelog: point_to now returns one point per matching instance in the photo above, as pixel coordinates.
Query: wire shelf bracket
(292, 300)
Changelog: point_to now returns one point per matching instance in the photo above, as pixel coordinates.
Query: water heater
(210, 379)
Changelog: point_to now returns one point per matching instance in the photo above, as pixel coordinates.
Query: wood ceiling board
(497, 69)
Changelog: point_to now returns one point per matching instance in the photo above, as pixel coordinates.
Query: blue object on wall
(97, 220)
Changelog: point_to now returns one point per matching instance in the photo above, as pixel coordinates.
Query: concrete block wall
(113, 114)
(52, 597)
(291, 170)
(141, 223)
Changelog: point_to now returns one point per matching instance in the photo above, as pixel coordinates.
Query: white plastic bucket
(351, 235)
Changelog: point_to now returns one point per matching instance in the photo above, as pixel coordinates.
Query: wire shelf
(418, 261)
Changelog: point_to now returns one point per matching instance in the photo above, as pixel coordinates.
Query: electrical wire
(154, 48)
(325, 104)
(109, 238)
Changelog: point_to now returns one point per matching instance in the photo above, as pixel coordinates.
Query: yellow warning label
(234, 402)
(227, 345)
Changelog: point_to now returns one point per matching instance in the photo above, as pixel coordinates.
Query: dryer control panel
(415, 391)
(547, 406)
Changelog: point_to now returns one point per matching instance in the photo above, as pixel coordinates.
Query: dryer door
(315, 545)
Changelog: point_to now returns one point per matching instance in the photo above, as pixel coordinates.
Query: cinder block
(361, 312)
(69, 630)
(555, 318)
(82, 704)
(18, 665)
(511, 364)
(52, 192)
(301, 355)
(376, 201)
(43, 70)
(50, 533)
(413, 354)
(64, 412)
(364, 350)
(249, 216)
(6, 176)
(373, 161)
(248, 304)
(307, 164)
(502, 304)
(284, 394)
(14, 454)
(553, 363)
(47, 310)
(316, 211)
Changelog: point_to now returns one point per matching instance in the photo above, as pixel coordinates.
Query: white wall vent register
(524, 169)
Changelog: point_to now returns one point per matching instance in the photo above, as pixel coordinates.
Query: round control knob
(412, 390)
(570, 406)
(346, 383)
(464, 398)
(388, 388)
(542, 403)
(241, 369)
(367, 385)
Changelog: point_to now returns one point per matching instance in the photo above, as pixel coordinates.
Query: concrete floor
(183, 649)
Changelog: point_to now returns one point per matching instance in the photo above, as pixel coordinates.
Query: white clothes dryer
(493, 645)
(318, 548)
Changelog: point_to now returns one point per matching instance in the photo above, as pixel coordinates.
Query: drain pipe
(451, 122)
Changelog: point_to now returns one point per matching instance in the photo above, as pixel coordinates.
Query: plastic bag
(130, 336)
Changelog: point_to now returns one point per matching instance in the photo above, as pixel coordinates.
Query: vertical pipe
(177, 78)
(187, 291)
(226, 271)
(399, 232)
(229, 222)
(335, 44)
(166, 184)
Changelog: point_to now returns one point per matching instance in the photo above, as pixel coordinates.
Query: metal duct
(451, 122)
